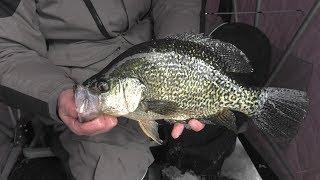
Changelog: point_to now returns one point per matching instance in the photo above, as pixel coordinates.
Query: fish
(188, 76)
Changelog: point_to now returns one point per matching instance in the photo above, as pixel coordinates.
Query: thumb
(66, 104)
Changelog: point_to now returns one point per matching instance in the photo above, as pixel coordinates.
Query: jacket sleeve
(176, 16)
(27, 78)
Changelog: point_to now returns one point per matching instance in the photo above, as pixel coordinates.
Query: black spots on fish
(183, 48)
(103, 86)
(227, 56)
(179, 71)
(234, 98)
(93, 84)
(228, 94)
(249, 101)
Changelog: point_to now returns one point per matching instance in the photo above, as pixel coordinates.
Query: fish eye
(103, 86)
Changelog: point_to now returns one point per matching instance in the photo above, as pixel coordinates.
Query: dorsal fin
(228, 56)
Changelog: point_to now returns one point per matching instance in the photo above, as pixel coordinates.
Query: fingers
(66, 104)
(196, 125)
(178, 128)
(69, 110)
(68, 114)
(99, 125)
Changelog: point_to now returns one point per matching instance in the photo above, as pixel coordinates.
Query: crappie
(183, 77)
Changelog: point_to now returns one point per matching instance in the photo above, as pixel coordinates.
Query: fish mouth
(87, 103)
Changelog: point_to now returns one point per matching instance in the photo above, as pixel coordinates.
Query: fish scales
(188, 76)
(183, 76)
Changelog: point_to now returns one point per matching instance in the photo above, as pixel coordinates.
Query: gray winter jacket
(39, 39)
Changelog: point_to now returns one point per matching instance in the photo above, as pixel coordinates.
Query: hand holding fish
(68, 114)
(178, 127)
(103, 123)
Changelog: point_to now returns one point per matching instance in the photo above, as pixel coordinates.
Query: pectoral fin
(150, 128)
(165, 108)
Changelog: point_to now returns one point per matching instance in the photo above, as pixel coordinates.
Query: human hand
(178, 127)
(68, 114)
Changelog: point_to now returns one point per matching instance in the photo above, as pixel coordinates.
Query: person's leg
(120, 154)
(6, 141)
(200, 152)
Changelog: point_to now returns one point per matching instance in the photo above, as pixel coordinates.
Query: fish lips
(87, 103)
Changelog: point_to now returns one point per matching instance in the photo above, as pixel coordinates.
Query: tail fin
(281, 112)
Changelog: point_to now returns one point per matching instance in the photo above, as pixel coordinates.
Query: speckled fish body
(187, 82)
(187, 74)
(180, 78)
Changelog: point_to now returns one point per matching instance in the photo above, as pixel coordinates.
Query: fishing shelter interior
(292, 27)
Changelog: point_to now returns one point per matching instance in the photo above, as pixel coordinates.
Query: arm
(27, 78)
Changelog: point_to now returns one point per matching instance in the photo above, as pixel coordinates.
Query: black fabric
(23, 132)
(49, 168)
(8, 7)
(24, 102)
(58, 149)
(39, 169)
(202, 152)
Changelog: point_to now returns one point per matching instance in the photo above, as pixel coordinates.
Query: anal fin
(150, 128)
(226, 118)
